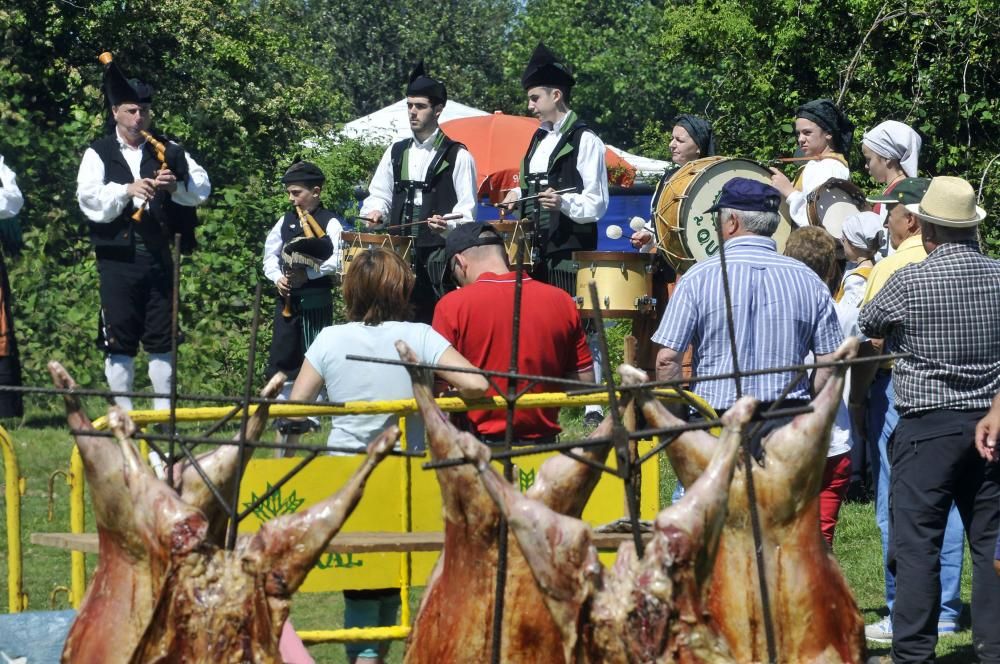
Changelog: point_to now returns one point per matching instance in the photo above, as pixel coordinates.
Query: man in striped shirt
(781, 310)
(944, 312)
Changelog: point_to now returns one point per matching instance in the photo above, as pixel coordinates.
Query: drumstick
(613, 232)
(637, 223)
(567, 190)
(792, 160)
(446, 217)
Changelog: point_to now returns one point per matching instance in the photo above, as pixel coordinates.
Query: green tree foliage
(369, 48)
(746, 65)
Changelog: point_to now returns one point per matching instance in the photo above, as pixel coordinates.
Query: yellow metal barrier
(17, 599)
(448, 404)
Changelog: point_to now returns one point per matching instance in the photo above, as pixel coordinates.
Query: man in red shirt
(478, 321)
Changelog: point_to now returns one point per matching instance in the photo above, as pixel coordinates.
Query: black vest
(438, 188)
(291, 228)
(162, 218)
(557, 233)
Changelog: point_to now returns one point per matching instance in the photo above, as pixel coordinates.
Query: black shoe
(592, 420)
(857, 492)
(286, 426)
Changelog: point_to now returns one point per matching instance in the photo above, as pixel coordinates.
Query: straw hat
(949, 201)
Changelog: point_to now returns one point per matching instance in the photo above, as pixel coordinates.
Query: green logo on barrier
(525, 479)
(336, 560)
(275, 505)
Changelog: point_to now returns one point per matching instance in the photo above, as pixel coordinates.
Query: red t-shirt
(478, 321)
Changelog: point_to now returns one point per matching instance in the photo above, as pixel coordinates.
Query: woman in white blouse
(824, 134)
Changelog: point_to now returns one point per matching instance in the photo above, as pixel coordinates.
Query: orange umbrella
(498, 143)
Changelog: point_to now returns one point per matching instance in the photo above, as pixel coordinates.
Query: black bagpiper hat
(121, 90)
(545, 69)
(305, 172)
(422, 85)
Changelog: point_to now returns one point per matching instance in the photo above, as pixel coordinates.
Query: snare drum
(355, 243)
(512, 232)
(686, 233)
(830, 204)
(624, 282)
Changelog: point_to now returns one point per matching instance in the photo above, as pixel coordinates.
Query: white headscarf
(863, 230)
(895, 140)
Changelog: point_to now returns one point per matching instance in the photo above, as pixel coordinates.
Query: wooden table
(353, 542)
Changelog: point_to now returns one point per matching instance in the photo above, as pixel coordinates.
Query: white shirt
(102, 202)
(588, 206)
(349, 380)
(463, 177)
(11, 199)
(813, 175)
(273, 246)
(849, 305)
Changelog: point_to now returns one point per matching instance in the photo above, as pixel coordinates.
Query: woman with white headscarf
(891, 151)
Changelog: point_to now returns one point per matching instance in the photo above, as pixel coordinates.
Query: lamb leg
(290, 545)
(563, 483)
(558, 549)
(220, 466)
(692, 451)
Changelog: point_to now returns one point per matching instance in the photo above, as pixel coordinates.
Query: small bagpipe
(310, 250)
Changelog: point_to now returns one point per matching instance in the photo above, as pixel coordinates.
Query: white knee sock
(594, 341)
(159, 377)
(120, 371)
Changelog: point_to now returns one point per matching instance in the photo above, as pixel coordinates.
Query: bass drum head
(831, 203)
(699, 238)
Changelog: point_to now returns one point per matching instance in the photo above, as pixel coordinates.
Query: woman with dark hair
(377, 291)
(690, 139)
(824, 134)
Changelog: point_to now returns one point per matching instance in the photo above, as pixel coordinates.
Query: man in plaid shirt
(945, 312)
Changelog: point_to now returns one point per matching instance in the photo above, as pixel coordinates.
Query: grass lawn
(43, 446)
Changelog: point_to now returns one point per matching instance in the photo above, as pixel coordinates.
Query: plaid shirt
(945, 310)
(781, 311)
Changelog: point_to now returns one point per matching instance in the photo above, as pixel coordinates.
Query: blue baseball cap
(747, 194)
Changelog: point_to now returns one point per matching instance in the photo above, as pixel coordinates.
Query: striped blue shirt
(781, 312)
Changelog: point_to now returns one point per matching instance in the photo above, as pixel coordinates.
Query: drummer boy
(305, 300)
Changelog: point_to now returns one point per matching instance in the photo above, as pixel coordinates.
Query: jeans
(882, 420)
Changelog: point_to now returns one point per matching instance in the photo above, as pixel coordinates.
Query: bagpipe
(310, 250)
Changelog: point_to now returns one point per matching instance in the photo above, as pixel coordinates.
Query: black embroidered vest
(162, 219)
(437, 187)
(557, 233)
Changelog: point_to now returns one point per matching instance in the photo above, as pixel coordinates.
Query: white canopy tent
(390, 124)
(644, 166)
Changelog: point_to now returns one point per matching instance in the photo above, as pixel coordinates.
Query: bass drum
(686, 234)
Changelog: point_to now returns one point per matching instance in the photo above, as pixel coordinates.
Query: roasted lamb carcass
(164, 591)
(120, 599)
(814, 613)
(455, 619)
(641, 610)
